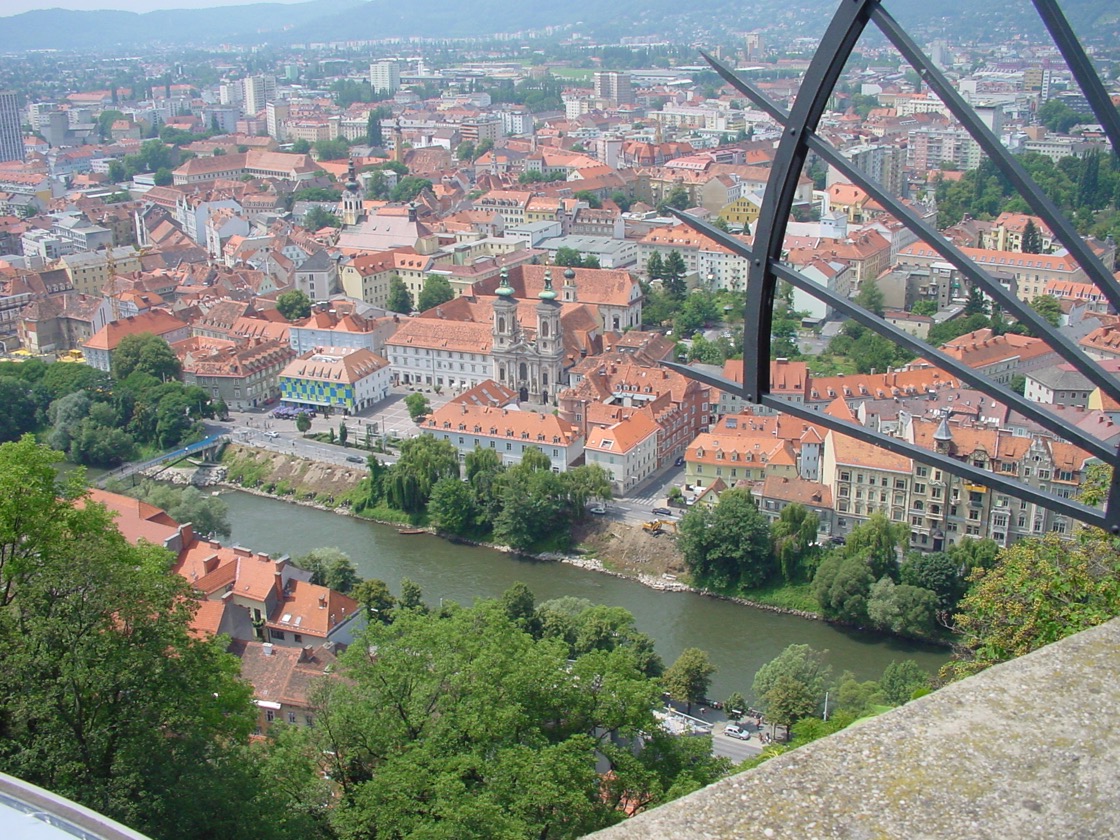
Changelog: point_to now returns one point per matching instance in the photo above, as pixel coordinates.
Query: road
(390, 417)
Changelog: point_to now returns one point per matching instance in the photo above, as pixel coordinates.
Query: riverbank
(609, 547)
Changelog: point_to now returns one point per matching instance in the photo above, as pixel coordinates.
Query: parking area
(391, 415)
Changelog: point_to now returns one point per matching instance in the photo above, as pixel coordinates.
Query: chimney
(266, 648)
(306, 655)
(322, 602)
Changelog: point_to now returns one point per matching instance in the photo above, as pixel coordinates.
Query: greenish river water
(739, 639)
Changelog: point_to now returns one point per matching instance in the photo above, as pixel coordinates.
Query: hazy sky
(14, 7)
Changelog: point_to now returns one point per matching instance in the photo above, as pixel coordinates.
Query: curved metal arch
(799, 136)
(824, 71)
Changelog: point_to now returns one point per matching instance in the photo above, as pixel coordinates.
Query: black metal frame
(799, 137)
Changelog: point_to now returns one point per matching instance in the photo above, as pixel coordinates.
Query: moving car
(271, 434)
(599, 509)
(662, 511)
(355, 459)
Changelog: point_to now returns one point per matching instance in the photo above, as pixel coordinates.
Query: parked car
(663, 511)
(679, 462)
(355, 459)
(733, 730)
(598, 509)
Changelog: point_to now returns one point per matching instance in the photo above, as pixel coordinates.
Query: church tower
(506, 333)
(351, 198)
(570, 293)
(550, 344)
(505, 314)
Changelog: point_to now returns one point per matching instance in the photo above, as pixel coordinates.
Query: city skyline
(16, 7)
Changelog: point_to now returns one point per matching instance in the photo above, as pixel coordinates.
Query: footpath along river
(739, 639)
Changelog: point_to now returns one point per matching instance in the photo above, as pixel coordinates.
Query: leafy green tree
(145, 353)
(317, 218)
(207, 514)
(412, 597)
(451, 507)
(799, 663)
(1049, 307)
(727, 546)
(972, 554)
(902, 609)
(855, 697)
(689, 677)
(162, 177)
(107, 696)
(938, 572)
(301, 147)
(337, 149)
(105, 122)
(63, 379)
(678, 199)
(343, 433)
(465, 151)
(592, 198)
(655, 266)
(19, 413)
(794, 538)
(842, 586)
(374, 595)
(294, 305)
(436, 291)
(881, 539)
(117, 172)
(330, 567)
(673, 275)
(924, 307)
(977, 304)
(901, 680)
(1024, 602)
(788, 700)
(374, 135)
(66, 415)
(1032, 238)
(423, 462)
(417, 405)
(870, 297)
(735, 706)
(441, 730)
(400, 300)
(568, 256)
(316, 194)
(303, 422)
(408, 188)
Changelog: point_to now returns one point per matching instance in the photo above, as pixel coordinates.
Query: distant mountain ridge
(334, 20)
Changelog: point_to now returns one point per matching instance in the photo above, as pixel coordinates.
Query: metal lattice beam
(799, 137)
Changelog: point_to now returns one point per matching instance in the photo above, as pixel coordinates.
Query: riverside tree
(689, 677)
(465, 725)
(106, 696)
(727, 546)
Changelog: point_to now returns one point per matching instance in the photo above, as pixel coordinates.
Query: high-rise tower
(11, 132)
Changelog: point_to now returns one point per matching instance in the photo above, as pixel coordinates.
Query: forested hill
(329, 20)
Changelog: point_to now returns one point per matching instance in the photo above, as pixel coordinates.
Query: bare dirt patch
(303, 476)
(629, 549)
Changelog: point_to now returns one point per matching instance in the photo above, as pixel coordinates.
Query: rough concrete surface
(1028, 749)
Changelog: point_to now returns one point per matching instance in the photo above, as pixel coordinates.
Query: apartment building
(509, 432)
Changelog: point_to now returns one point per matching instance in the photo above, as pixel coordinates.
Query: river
(739, 639)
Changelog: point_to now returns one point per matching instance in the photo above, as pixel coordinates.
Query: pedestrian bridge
(208, 449)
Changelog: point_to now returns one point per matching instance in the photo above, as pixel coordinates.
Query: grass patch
(242, 468)
(787, 596)
(381, 513)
